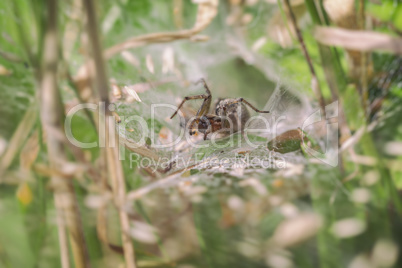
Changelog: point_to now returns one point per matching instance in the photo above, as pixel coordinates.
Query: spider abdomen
(234, 114)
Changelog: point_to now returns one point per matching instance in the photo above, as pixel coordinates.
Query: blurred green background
(306, 215)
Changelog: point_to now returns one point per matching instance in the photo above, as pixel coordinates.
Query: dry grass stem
(110, 152)
(19, 137)
(52, 120)
(63, 240)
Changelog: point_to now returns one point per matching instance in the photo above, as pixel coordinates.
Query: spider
(230, 114)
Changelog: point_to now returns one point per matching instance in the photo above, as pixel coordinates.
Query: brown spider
(230, 114)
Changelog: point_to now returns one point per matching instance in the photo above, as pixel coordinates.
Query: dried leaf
(235, 203)
(143, 232)
(394, 148)
(4, 71)
(130, 58)
(279, 258)
(348, 227)
(116, 90)
(361, 261)
(358, 40)
(24, 194)
(385, 253)
(132, 94)
(361, 195)
(207, 10)
(111, 17)
(297, 229)
(259, 43)
(150, 64)
(168, 60)
(370, 178)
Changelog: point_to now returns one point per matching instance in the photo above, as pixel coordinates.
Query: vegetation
(88, 172)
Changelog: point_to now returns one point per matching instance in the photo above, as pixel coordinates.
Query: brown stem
(52, 120)
(114, 167)
(314, 81)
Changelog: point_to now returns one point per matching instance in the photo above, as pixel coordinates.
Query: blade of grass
(331, 62)
(23, 35)
(20, 135)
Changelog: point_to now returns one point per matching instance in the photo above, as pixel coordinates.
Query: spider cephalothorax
(230, 115)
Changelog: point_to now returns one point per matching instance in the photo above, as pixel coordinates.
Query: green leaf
(397, 19)
(382, 12)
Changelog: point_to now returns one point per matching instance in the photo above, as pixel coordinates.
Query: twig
(314, 81)
(114, 168)
(152, 38)
(52, 119)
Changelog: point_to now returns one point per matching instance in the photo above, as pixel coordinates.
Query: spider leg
(204, 109)
(250, 105)
(206, 105)
(197, 97)
(206, 133)
(202, 80)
